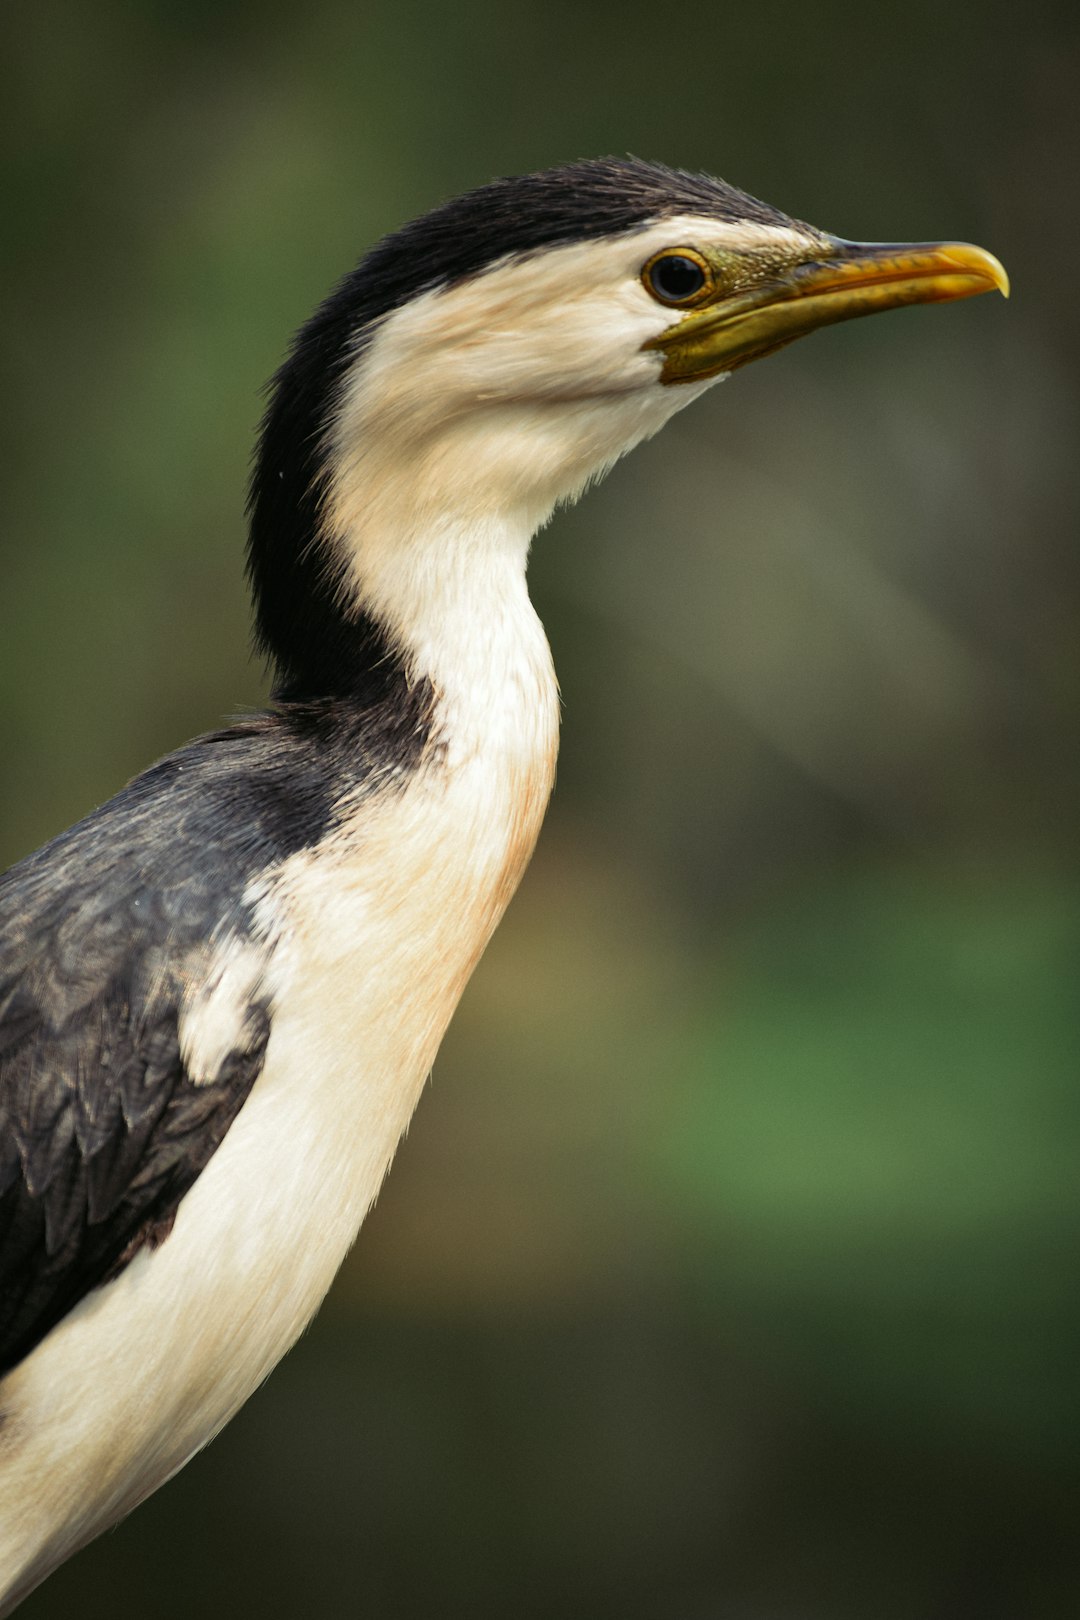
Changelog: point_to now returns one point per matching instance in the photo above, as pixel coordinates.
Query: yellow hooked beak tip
(849, 279)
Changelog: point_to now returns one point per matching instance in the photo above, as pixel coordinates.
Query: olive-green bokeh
(730, 1267)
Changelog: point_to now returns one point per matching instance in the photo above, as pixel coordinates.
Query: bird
(222, 991)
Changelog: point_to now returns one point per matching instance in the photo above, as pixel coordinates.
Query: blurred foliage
(889, 1163)
(729, 1266)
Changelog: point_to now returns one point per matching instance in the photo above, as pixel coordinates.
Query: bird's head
(491, 358)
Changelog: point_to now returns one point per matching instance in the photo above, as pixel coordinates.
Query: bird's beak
(845, 280)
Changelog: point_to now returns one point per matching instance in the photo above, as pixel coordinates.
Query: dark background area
(729, 1270)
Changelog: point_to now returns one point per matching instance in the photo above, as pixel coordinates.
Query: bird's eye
(677, 278)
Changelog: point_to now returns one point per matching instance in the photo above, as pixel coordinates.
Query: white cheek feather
(478, 407)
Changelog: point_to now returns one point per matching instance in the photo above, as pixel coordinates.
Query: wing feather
(103, 1131)
(105, 936)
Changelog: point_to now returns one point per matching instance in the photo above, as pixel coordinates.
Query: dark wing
(102, 1132)
(103, 933)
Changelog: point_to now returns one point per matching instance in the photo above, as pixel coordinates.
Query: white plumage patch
(215, 1017)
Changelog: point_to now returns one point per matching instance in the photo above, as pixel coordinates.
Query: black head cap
(317, 649)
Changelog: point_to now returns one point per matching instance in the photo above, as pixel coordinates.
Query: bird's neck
(428, 607)
(449, 590)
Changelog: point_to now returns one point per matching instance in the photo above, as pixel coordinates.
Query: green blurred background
(730, 1266)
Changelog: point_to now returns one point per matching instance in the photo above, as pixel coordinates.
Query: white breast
(373, 936)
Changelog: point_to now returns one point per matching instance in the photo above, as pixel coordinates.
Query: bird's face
(515, 386)
(518, 385)
(491, 358)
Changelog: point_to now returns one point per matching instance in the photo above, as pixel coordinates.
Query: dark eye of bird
(675, 277)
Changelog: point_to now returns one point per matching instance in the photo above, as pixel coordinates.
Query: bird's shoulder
(112, 935)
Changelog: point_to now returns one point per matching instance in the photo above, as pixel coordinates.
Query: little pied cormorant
(221, 993)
